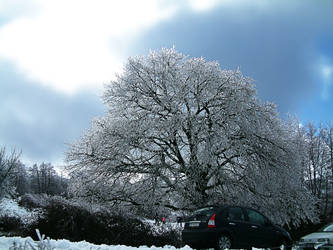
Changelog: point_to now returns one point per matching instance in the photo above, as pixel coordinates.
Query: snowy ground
(7, 242)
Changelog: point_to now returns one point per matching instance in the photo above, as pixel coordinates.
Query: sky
(57, 56)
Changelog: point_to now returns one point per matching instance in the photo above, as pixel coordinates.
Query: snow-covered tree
(318, 163)
(329, 142)
(182, 133)
(44, 179)
(20, 179)
(8, 165)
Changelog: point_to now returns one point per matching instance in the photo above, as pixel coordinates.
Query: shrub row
(66, 220)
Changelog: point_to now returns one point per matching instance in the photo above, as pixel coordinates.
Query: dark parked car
(233, 227)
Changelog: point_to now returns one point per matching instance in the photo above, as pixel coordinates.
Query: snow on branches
(182, 133)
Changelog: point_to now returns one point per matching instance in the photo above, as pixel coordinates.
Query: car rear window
(203, 213)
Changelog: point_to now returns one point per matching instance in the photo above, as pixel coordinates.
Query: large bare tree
(182, 133)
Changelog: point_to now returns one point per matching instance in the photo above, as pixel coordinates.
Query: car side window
(235, 213)
(256, 218)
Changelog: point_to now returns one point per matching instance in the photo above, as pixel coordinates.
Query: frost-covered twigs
(8, 164)
(42, 244)
(182, 133)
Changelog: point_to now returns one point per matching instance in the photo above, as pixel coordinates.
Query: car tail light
(211, 222)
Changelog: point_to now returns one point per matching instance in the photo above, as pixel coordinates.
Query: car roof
(225, 206)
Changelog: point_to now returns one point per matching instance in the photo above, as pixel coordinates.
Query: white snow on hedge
(9, 207)
(7, 242)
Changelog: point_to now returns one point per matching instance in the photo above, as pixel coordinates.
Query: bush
(31, 201)
(63, 219)
(305, 228)
(10, 223)
(167, 235)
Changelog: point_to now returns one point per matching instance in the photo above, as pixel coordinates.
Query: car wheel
(223, 242)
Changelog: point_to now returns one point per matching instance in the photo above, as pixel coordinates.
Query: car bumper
(311, 246)
(200, 238)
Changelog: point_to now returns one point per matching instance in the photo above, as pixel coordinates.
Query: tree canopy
(182, 133)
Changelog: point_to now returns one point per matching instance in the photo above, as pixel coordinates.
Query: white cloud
(74, 44)
(327, 71)
(203, 5)
(327, 76)
(13, 8)
(206, 5)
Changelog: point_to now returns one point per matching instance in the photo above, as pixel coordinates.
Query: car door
(236, 224)
(261, 232)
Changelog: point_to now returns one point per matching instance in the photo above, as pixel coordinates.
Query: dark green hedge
(63, 220)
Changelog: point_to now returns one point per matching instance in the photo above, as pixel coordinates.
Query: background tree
(317, 160)
(182, 133)
(21, 179)
(44, 179)
(8, 165)
(329, 142)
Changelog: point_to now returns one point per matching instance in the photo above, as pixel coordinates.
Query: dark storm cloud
(276, 46)
(40, 122)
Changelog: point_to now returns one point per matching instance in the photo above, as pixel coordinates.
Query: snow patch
(9, 207)
(7, 242)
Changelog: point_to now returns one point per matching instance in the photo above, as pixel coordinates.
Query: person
(157, 221)
(163, 220)
(179, 219)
